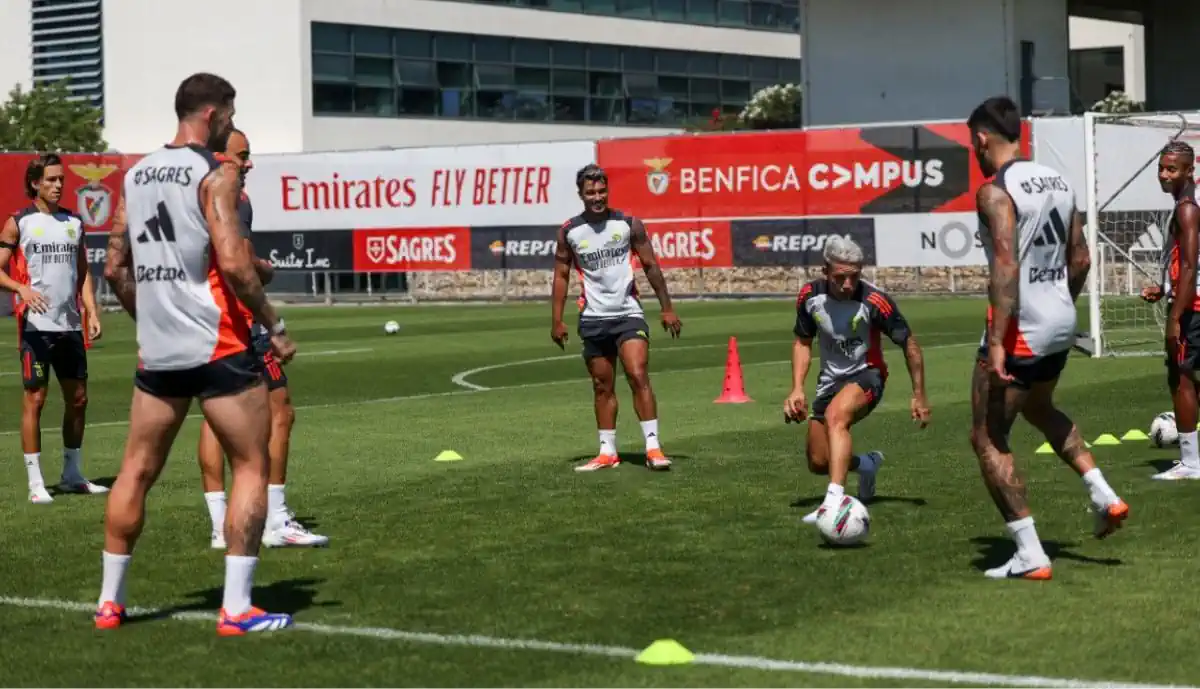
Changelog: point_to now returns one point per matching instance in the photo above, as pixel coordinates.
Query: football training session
(902, 404)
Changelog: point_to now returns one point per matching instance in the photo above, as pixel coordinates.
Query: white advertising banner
(928, 240)
(450, 186)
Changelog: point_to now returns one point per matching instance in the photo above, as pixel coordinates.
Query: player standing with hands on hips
(612, 325)
(847, 315)
(1176, 168)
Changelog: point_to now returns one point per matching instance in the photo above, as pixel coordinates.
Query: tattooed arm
(640, 240)
(1079, 260)
(1004, 290)
(220, 191)
(118, 265)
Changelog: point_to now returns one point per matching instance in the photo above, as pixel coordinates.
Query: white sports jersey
(47, 259)
(604, 260)
(1045, 206)
(186, 313)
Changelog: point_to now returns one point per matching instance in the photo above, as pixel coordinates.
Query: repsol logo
(1037, 275)
(159, 274)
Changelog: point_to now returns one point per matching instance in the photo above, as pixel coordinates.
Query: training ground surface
(510, 544)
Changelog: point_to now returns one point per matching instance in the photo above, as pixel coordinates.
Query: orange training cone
(734, 391)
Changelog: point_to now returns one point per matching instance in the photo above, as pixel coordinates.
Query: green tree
(46, 119)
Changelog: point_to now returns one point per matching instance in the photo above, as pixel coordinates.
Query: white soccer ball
(1163, 431)
(391, 327)
(845, 524)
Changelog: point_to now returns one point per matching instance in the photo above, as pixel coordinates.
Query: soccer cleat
(1109, 517)
(1022, 567)
(253, 620)
(110, 615)
(1179, 472)
(79, 484)
(656, 460)
(39, 496)
(600, 462)
(866, 479)
(293, 534)
(218, 541)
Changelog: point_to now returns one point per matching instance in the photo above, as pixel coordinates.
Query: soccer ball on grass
(845, 524)
(1163, 431)
(391, 327)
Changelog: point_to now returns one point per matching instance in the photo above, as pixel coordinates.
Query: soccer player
(1038, 264)
(178, 264)
(846, 315)
(1176, 166)
(282, 529)
(43, 247)
(612, 325)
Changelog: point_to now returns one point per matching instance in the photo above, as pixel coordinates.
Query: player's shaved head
(999, 116)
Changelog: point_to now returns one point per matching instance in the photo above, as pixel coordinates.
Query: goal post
(1125, 223)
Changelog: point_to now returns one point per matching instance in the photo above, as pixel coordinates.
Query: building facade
(336, 75)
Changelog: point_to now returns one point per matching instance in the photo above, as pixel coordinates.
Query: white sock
(1189, 454)
(833, 494)
(1024, 534)
(866, 464)
(608, 443)
(72, 467)
(239, 579)
(1102, 493)
(33, 467)
(216, 509)
(112, 587)
(650, 431)
(277, 513)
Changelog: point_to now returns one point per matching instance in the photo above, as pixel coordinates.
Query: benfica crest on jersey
(93, 201)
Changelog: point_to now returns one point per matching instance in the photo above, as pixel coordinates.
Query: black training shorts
(603, 337)
(869, 379)
(42, 350)
(225, 376)
(1187, 357)
(1027, 370)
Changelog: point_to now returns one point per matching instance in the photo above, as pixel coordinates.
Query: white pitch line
(332, 352)
(459, 393)
(711, 659)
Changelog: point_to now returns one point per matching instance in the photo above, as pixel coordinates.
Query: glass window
(369, 100)
(567, 5)
(705, 64)
(606, 110)
(638, 59)
(333, 98)
(673, 87)
(704, 110)
(605, 84)
(670, 10)
(332, 67)
(641, 86)
(454, 74)
(333, 38)
(789, 16)
(736, 92)
(531, 53)
(570, 55)
(764, 14)
(418, 101)
(373, 71)
(789, 71)
(604, 57)
(705, 90)
(733, 13)
(531, 107)
(416, 73)
(452, 46)
(735, 66)
(493, 77)
(457, 103)
(532, 80)
(764, 68)
(642, 111)
(702, 11)
(570, 81)
(672, 110)
(371, 40)
(569, 109)
(672, 62)
(414, 44)
(495, 105)
(493, 49)
(605, 7)
(638, 9)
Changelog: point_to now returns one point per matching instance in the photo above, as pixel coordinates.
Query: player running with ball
(847, 315)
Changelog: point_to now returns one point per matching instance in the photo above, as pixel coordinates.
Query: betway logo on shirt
(402, 250)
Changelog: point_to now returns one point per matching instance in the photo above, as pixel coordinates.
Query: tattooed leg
(994, 409)
(1058, 428)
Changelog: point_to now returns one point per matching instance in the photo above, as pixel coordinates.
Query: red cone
(734, 391)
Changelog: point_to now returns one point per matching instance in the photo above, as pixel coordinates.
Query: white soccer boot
(38, 495)
(1179, 472)
(1021, 566)
(293, 534)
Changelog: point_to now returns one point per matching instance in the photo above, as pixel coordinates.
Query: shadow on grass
(995, 551)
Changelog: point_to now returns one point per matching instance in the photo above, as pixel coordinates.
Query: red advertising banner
(427, 249)
(824, 172)
(690, 244)
(92, 187)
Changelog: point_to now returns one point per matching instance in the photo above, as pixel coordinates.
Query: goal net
(1126, 215)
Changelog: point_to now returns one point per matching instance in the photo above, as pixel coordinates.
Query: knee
(603, 387)
(817, 464)
(638, 379)
(35, 400)
(839, 419)
(78, 400)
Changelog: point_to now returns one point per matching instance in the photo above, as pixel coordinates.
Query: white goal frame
(1174, 125)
